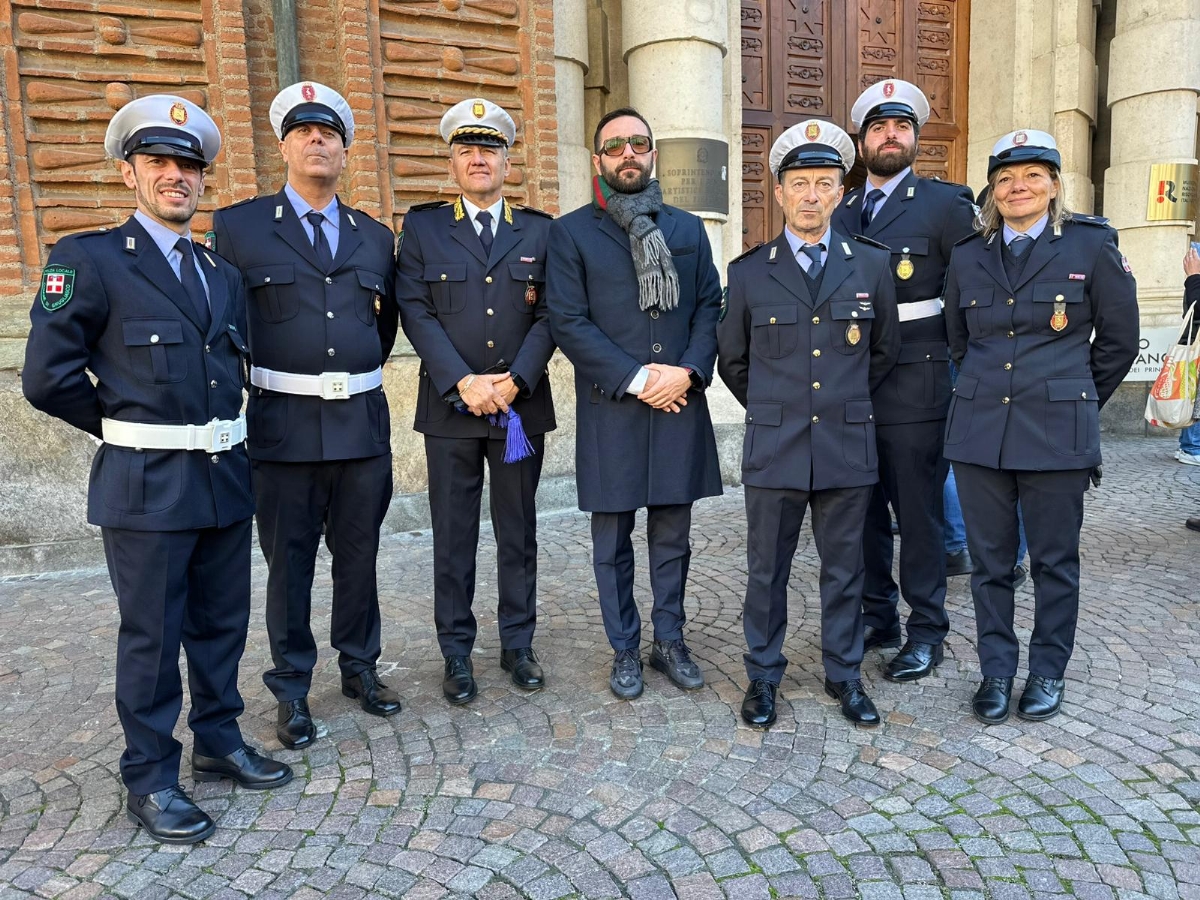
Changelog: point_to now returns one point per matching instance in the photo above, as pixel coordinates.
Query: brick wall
(68, 67)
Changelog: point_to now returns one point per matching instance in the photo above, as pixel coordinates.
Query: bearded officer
(808, 333)
(159, 321)
(471, 280)
(919, 219)
(322, 322)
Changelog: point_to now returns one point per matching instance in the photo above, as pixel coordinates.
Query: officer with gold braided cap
(808, 333)
(470, 277)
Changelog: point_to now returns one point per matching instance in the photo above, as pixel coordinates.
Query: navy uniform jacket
(628, 454)
(805, 367)
(306, 321)
(1028, 397)
(922, 226)
(130, 323)
(463, 313)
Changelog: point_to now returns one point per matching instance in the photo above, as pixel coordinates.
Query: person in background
(1189, 438)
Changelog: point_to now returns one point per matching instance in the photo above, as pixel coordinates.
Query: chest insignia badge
(853, 334)
(1058, 321)
(904, 268)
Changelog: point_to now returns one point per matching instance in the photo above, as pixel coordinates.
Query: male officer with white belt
(919, 220)
(159, 321)
(322, 322)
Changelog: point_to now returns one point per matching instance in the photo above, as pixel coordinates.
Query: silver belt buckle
(222, 437)
(335, 386)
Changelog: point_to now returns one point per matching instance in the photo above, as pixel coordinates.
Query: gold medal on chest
(904, 268)
(853, 334)
(530, 293)
(1058, 321)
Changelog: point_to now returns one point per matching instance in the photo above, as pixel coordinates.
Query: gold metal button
(816, 353)
(1004, 400)
(488, 280)
(816, 418)
(491, 312)
(1007, 366)
(1012, 334)
(1010, 301)
(816, 385)
(491, 344)
(816, 320)
(972, 302)
(1060, 298)
(772, 320)
(443, 276)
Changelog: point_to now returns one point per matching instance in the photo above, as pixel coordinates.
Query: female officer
(1023, 298)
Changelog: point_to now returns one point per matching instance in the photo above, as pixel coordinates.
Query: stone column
(675, 54)
(1154, 77)
(570, 67)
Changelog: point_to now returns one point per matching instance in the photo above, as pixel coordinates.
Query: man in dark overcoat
(159, 321)
(322, 323)
(919, 220)
(808, 334)
(634, 299)
(471, 286)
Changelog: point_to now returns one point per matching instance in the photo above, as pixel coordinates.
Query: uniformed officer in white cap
(1042, 317)
(160, 321)
(471, 286)
(919, 219)
(323, 320)
(808, 332)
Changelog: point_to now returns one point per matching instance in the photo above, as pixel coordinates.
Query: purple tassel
(516, 443)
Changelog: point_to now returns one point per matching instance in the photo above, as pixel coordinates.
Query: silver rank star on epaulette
(772, 256)
(279, 213)
(130, 243)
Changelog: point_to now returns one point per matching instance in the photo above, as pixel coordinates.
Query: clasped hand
(485, 395)
(666, 388)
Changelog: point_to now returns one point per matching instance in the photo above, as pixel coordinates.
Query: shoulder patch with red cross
(58, 286)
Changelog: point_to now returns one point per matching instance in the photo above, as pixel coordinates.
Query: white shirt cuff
(639, 382)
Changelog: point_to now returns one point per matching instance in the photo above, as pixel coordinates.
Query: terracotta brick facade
(68, 65)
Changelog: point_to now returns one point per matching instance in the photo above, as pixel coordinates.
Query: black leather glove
(1096, 475)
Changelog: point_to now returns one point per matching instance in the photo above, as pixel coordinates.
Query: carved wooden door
(812, 58)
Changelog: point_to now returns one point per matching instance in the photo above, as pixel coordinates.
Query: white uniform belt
(217, 436)
(327, 386)
(922, 309)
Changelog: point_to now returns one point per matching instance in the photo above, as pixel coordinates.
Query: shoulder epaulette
(870, 243)
(1088, 220)
(95, 233)
(536, 212)
(747, 253)
(239, 203)
(432, 204)
(969, 237)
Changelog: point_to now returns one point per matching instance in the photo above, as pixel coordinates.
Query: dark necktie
(1019, 245)
(484, 218)
(320, 245)
(190, 279)
(813, 252)
(868, 207)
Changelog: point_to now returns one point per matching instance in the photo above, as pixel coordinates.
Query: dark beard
(612, 179)
(887, 166)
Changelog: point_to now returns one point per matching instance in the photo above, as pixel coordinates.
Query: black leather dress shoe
(626, 681)
(526, 672)
(674, 660)
(914, 661)
(758, 706)
(959, 562)
(294, 725)
(1020, 573)
(881, 637)
(990, 704)
(1041, 699)
(169, 816)
(1192, 522)
(856, 705)
(458, 682)
(373, 695)
(245, 766)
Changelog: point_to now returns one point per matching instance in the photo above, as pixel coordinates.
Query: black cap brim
(1024, 155)
(313, 114)
(165, 142)
(810, 156)
(478, 139)
(890, 110)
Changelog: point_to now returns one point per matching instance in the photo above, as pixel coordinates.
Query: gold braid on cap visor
(479, 129)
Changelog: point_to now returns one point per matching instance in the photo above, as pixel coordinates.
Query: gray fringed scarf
(658, 282)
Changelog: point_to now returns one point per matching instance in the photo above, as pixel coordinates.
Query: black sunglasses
(615, 146)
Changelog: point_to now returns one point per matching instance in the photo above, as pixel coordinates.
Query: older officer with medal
(1041, 312)
(322, 322)
(920, 220)
(470, 277)
(809, 331)
(159, 321)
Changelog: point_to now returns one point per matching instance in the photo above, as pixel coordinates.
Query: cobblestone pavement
(570, 792)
